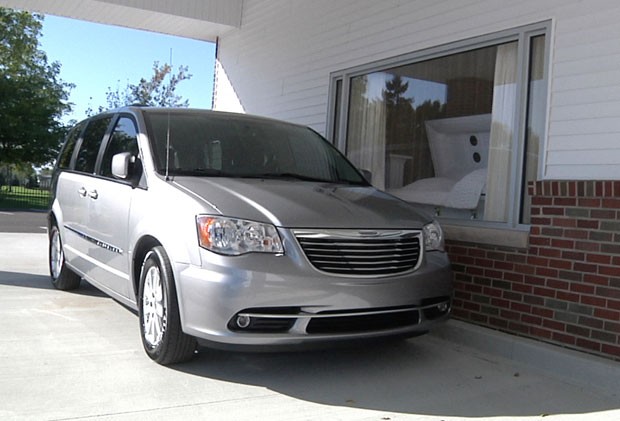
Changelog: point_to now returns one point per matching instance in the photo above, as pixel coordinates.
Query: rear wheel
(62, 277)
(160, 322)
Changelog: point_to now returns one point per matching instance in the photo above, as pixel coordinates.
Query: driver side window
(123, 139)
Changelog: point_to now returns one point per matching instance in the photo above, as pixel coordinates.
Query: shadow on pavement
(419, 376)
(29, 280)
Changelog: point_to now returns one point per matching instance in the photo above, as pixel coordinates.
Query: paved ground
(78, 356)
(19, 221)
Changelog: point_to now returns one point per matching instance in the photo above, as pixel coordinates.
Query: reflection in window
(441, 132)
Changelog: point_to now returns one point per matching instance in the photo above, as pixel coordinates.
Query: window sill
(503, 237)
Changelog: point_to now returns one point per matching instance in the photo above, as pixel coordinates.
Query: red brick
(567, 339)
(554, 325)
(565, 201)
(542, 201)
(611, 350)
(520, 307)
(504, 266)
(557, 284)
(593, 301)
(540, 221)
(567, 296)
(611, 203)
(540, 241)
(483, 263)
(519, 287)
(588, 344)
(534, 280)
(607, 314)
(497, 302)
(538, 261)
(525, 269)
(582, 288)
(540, 332)
(560, 264)
(543, 312)
(613, 304)
(573, 255)
(588, 223)
(564, 222)
(476, 252)
(533, 320)
(561, 243)
(596, 279)
(495, 274)
(493, 292)
(547, 272)
(545, 292)
(598, 258)
(609, 270)
(553, 211)
(550, 252)
(584, 267)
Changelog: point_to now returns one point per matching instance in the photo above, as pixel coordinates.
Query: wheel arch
(143, 246)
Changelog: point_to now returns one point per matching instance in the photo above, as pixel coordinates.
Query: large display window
(458, 132)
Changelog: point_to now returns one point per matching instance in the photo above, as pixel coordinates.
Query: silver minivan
(231, 230)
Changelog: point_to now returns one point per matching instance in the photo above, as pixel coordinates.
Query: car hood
(302, 204)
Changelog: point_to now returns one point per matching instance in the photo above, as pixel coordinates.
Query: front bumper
(267, 300)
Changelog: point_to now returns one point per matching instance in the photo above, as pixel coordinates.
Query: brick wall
(565, 287)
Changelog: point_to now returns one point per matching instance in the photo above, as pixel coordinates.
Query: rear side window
(123, 139)
(89, 149)
(64, 160)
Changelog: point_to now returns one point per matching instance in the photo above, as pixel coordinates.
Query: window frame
(340, 83)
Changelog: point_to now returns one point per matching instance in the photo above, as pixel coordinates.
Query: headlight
(237, 236)
(433, 237)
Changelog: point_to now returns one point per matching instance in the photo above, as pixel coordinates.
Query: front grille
(361, 254)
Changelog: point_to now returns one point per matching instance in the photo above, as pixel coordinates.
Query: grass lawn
(23, 198)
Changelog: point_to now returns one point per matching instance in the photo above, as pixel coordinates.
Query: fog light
(243, 321)
(442, 307)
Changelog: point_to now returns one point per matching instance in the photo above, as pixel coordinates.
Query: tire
(160, 323)
(62, 277)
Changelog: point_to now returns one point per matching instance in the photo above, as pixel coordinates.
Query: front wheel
(160, 323)
(62, 277)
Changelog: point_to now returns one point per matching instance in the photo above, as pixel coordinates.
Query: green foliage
(32, 95)
(158, 91)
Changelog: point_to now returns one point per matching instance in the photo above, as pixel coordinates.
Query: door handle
(82, 192)
(93, 194)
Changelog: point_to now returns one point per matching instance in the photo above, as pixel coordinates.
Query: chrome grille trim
(359, 253)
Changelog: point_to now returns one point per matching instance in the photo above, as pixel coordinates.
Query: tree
(159, 90)
(32, 95)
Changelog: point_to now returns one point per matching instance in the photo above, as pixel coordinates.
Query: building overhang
(198, 19)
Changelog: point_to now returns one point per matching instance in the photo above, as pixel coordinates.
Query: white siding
(279, 62)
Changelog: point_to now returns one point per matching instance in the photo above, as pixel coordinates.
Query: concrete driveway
(78, 356)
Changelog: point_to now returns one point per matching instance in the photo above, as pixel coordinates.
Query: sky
(94, 57)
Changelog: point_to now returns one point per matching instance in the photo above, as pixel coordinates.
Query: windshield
(223, 145)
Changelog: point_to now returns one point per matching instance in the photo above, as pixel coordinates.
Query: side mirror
(367, 175)
(120, 165)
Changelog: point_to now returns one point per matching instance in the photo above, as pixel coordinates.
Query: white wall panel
(279, 61)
